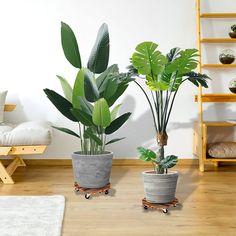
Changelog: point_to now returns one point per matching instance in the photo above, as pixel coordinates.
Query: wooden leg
(6, 173)
(5, 177)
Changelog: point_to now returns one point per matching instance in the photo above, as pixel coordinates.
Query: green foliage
(70, 46)
(62, 104)
(89, 102)
(65, 130)
(117, 123)
(66, 88)
(146, 154)
(99, 56)
(101, 113)
(233, 28)
(168, 162)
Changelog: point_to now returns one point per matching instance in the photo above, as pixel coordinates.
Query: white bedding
(27, 133)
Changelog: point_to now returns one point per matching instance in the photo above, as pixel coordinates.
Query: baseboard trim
(116, 162)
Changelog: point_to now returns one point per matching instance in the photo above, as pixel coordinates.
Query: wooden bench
(16, 152)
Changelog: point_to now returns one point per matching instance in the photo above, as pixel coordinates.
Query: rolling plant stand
(92, 191)
(163, 206)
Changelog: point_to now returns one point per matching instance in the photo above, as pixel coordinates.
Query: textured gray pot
(160, 188)
(92, 171)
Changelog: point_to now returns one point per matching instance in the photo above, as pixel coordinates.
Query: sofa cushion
(222, 149)
(3, 95)
(27, 133)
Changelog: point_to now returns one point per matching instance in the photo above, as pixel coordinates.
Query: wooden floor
(208, 202)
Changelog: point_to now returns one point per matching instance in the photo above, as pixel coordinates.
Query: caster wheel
(106, 192)
(165, 211)
(87, 196)
(145, 207)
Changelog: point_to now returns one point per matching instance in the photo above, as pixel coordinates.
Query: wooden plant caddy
(92, 191)
(164, 206)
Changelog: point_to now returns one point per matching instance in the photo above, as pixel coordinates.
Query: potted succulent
(88, 103)
(232, 33)
(163, 76)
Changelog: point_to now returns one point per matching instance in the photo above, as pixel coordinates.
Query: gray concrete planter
(92, 171)
(160, 188)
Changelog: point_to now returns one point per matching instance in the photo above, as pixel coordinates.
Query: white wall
(31, 56)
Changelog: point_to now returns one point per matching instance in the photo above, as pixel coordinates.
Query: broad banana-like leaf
(85, 105)
(78, 89)
(114, 140)
(90, 87)
(146, 154)
(185, 63)
(173, 54)
(109, 73)
(88, 133)
(62, 104)
(115, 111)
(101, 113)
(168, 162)
(120, 90)
(70, 46)
(110, 89)
(117, 123)
(66, 88)
(65, 130)
(82, 117)
(99, 56)
(147, 60)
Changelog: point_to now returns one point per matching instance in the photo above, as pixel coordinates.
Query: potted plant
(88, 103)
(163, 76)
(232, 33)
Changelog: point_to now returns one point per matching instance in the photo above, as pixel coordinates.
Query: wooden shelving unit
(201, 127)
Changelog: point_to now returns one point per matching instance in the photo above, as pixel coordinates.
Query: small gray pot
(92, 171)
(160, 188)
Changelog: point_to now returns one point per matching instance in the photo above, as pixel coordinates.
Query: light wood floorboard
(208, 202)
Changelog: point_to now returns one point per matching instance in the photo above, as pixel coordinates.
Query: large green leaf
(65, 130)
(146, 154)
(114, 140)
(168, 162)
(85, 106)
(120, 90)
(106, 76)
(198, 79)
(117, 123)
(110, 89)
(185, 63)
(101, 113)
(62, 104)
(66, 88)
(78, 89)
(82, 117)
(90, 87)
(115, 111)
(70, 46)
(99, 56)
(147, 60)
(88, 133)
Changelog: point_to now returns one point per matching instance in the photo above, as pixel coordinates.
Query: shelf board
(217, 98)
(218, 15)
(9, 107)
(218, 40)
(218, 124)
(221, 159)
(219, 65)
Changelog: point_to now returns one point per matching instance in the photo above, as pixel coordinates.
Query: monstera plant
(163, 76)
(90, 104)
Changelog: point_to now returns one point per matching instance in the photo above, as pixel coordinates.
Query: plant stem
(154, 119)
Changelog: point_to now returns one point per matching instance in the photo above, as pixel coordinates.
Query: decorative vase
(92, 171)
(227, 56)
(232, 85)
(160, 188)
(232, 35)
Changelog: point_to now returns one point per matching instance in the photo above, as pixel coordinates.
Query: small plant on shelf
(232, 34)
